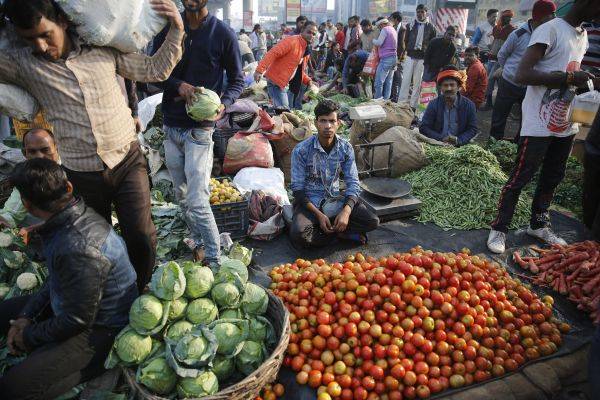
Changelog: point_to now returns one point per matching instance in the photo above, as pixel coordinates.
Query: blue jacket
(208, 52)
(432, 122)
(512, 51)
(91, 282)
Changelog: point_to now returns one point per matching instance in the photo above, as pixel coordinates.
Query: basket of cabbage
(200, 334)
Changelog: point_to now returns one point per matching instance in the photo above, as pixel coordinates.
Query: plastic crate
(220, 139)
(232, 218)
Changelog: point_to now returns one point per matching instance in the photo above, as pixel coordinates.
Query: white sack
(269, 180)
(17, 103)
(147, 109)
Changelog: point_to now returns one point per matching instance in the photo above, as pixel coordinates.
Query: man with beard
(77, 87)
(551, 70)
(450, 118)
(416, 39)
(367, 35)
(210, 50)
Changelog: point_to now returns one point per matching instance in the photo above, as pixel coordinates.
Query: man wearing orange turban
(451, 117)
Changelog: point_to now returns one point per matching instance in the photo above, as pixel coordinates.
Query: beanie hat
(542, 8)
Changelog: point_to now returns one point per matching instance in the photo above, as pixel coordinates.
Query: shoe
(545, 234)
(496, 242)
(198, 254)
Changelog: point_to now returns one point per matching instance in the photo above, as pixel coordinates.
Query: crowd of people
(90, 162)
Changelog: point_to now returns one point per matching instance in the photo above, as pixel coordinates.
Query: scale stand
(388, 198)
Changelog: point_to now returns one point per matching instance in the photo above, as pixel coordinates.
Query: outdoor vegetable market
(318, 200)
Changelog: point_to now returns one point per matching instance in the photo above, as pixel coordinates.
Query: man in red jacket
(477, 78)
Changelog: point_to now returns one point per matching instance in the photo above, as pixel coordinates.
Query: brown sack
(397, 114)
(284, 147)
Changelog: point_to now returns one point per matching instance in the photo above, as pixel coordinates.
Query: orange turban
(459, 76)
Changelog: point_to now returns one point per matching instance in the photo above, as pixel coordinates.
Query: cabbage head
(205, 384)
(131, 347)
(241, 253)
(145, 313)
(223, 367)
(13, 259)
(4, 289)
(157, 376)
(261, 330)
(255, 300)
(234, 266)
(229, 334)
(199, 281)
(250, 357)
(226, 295)
(177, 309)
(204, 106)
(202, 311)
(27, 281)
(178, 329)
(231, 313)
(190, 349)
(168, 281)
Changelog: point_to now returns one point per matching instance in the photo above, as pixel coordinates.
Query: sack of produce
(285, 146)
(247, 150)
(397, 114)
(408, 153)
(125, 25)
(17, 103)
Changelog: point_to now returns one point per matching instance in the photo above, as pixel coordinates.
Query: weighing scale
(387, 197)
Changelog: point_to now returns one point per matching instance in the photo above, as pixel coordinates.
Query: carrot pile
(572, 270)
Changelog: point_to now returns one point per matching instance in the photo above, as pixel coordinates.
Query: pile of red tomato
(409, 325)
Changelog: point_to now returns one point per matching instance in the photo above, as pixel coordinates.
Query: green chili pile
(460, 188)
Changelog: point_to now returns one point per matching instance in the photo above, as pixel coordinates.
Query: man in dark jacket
(66, 329)
(439, 53)
(210, 48)
(416, 39)
(451, 117)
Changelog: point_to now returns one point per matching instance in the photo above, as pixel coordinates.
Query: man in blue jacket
(451, 117)
(210, 48)
(67, 328)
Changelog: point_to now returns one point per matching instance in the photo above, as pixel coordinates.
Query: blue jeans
(491, 69)
(258, 54)
(384, 76)
(295, 100)
(331, 72)
(189, 158)
(278, 96)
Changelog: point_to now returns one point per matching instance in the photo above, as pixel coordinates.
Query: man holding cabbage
(77, 87)
(194, 97)
(66, 329)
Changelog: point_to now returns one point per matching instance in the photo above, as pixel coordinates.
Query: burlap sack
(408, 153)
(397, 114)
(284, 147)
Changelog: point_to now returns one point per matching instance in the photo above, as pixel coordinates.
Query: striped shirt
(82, 98)
(592, 56)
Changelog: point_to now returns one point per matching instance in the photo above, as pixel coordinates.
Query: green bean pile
(460, 188)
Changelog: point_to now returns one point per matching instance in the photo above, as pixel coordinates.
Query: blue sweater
(432, 123)
(208, 52)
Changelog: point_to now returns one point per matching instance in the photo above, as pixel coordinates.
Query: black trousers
(396, 83)
(128, 188)
(591, 194)
(305, 230)
(53, 369)
(507, 95)
(549, 153)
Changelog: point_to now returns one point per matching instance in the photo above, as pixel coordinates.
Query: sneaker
(496, 242)
(546, 235)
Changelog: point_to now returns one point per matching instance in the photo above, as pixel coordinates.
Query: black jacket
(411, 39)
(439, 53)
(91, 282)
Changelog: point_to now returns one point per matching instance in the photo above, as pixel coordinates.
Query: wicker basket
(249, 387)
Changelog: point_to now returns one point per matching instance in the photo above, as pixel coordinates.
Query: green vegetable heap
(196, 331)
(460, 188)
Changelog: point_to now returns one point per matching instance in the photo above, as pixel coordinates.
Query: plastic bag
(125, 25)
(17, 103)
(585, 107)
(372, 62)
(269, 180)
(147, 108)
(428, 93)
(247, 150)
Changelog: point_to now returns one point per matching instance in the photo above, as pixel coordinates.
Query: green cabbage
(231, 313)
(234, 266)
(131, 347)
(205, 384)
(157, 375)
(178, 329)
(202, 311)
(193, 351)
(177, 309)
(223, 367)
(255, 300)
(168, 281)
(204, 106)
(261, 330)
(230, 333)
(4, 289)
(190, 349)
(241, 253)
(145, 313)
(199, 281)
(250, 357)
(226, 295)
